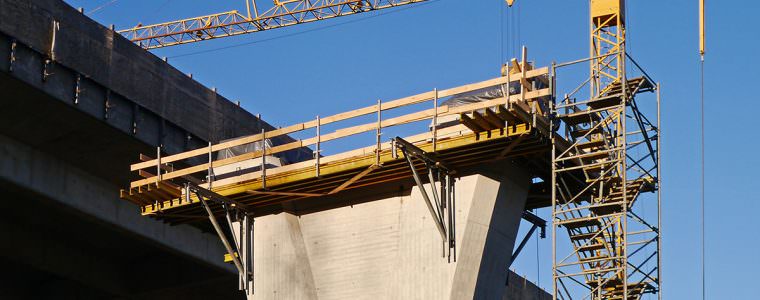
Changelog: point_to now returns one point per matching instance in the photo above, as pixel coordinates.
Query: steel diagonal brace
(204, 196)
(220, 232)
(411, 151)
(537, 223)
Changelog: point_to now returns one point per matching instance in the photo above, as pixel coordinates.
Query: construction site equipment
(599, 180)
(499, 128)
(480, 137)
(257, 18)
(603, 167)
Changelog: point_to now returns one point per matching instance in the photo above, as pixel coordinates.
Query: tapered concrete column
(391, 249)
(281, 263)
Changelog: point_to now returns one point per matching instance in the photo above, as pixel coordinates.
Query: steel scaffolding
(601, 182)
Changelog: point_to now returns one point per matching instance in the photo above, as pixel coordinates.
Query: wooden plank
(219, 163)
(159, 193)
(126, 196)
(165, 167)
(170, 188)
(470, 123)
(340, 133)
(283, 193)
(339, 117)
(493, 119)
(506, 115)
(334, 158)
(144, 174)
(481, 121)
(341, 163)
(512, 146)
(353, 179)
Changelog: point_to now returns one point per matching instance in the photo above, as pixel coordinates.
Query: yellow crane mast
(257, 18)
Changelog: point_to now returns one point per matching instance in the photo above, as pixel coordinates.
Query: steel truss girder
(231, 23)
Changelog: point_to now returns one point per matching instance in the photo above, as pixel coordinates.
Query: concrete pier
(389, 248)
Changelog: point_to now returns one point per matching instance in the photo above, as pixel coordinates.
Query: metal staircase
(597, 182)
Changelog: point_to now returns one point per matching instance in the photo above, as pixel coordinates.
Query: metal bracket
(107, 105)
(444, 209)
(14, 44)
(537, 223)
(77, 88)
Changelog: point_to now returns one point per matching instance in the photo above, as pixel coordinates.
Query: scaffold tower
(605, 193)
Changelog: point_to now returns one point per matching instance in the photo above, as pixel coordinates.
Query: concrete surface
(389, 248)
(74, 115)
(69, 129)
(65, 228)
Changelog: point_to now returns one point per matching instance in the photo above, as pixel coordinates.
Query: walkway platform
(466, 134)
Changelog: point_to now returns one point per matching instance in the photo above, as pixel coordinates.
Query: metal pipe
(378, 133)
(248, 9)
(221, 234)
(435, 118)
(425, 196)
(659, 200)
(158, 164)
(585, 59)
(522, 244)
(317, 147)
(263, 159)
(453, 227)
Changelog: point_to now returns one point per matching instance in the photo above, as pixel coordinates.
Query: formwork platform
(495, 127)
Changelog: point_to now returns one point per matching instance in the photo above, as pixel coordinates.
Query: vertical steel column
(554, 187)
(263, 158)
(210, 178)
(378, 133)
(158, 164)
(318, 145)
(659, 200)
(435, 118)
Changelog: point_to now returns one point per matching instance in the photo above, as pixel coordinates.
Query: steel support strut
(537, 223)
(240, 247)
(443, 210)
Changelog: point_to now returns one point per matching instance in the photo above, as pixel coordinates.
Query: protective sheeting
(242, 149)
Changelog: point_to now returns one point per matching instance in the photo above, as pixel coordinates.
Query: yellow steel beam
(231, 23)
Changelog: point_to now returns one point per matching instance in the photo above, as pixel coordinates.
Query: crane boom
(281, 14)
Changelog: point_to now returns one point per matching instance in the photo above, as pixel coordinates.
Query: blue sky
(289, 78)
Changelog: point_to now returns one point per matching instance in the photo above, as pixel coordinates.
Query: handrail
(433, 112)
